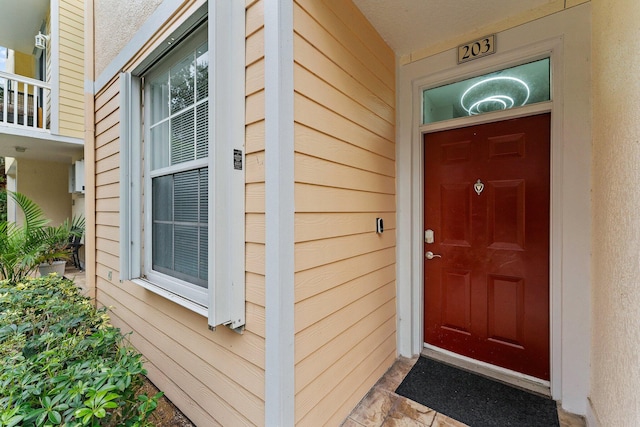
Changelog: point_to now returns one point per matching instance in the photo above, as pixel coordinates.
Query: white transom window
(513, 87)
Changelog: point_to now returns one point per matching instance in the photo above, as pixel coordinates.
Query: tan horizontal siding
(72, 10)
(344, 109)
(72, 46)
(311, 59)
(254, 258)
(73, 120)
(308, 312)
(107, 218)
(255, 107)
(309, 29)
(254, 170)
(324, 357)
(324, 331)
(316, 226)
(319, 252)
(255, 229)
(255, 167)
(74, 62)
(71, 27)
(255, 47)
(254, 18)
(312, 282)
(217, 393)
(254, 137)
(313, 198)
(255, 77)
(380, 339)
(254, 198)
(71, 77)
(255, 288)
(107, 232)
(71, 70)
(350, 390)
(69, 99)
(359, 48)
(109, 177)
(324, 120)
(312, 170)
(108, 163)
(216, 378)
(313, 143)
(312, 87)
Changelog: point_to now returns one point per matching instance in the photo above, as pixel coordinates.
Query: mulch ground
(166, 414)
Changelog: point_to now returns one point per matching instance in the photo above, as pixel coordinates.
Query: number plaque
(477, 48)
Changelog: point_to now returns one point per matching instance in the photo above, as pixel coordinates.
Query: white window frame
(190, 291)
(225, 302)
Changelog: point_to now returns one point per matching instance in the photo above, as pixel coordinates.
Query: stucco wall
(615, 340)
(119, 21)
(46, 183)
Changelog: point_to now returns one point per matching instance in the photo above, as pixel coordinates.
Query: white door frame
(570, 203)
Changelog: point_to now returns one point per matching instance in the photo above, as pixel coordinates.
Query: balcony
(24, 102)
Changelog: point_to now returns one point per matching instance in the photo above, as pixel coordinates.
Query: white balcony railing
(24, 102)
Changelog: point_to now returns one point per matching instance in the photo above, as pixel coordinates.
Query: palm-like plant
(24, 247)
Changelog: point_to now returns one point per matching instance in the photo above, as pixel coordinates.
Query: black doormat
(474, 399)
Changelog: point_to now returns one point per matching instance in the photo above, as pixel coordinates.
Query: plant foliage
(23, 247)
(62, 363)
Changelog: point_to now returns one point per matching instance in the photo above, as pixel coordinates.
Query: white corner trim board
(279, 214)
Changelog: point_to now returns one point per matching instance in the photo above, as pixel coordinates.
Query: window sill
(188, 304)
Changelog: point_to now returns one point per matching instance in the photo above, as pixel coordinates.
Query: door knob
(431, 255)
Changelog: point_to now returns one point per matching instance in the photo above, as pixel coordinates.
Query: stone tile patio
(382, 407)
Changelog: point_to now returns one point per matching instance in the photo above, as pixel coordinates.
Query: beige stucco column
(615, 348)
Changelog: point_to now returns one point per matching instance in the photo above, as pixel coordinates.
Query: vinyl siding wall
(254, 178)
(215, 378)
(345, 307)
(71, 46)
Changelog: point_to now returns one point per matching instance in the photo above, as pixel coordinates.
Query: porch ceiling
(20, 21)
(411, 25)
(38, 147)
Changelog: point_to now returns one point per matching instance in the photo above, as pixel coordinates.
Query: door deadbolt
(428, 236)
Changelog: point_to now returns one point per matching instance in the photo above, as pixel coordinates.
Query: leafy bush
(62, 363)
(23, 247)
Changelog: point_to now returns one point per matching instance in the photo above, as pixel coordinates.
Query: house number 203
(477, 48)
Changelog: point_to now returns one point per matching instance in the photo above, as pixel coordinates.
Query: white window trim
(172, 284)
(226, 293)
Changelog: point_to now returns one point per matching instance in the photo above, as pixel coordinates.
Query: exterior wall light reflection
(501, 100)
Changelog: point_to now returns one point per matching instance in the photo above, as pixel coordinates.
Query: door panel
(487, 200)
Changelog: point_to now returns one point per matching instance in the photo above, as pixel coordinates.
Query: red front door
(487, 203)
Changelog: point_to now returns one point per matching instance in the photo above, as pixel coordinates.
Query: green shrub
(62, 363)
(23, 247)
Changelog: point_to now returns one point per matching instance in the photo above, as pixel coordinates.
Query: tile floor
(382, 407)
(78, 276)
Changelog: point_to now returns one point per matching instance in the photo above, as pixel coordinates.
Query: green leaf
(55, 417)
(79, 413)
(13, 421)
(41, 418)
(110, 405)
